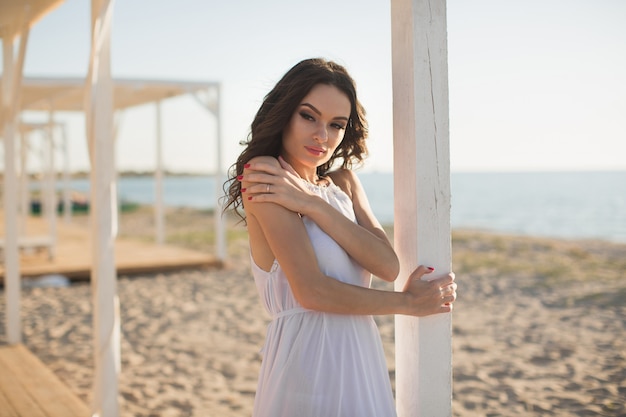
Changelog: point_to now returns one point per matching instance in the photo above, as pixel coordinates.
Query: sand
(539, 328)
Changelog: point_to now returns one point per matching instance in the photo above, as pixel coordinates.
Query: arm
(365, 241)
(281, 231)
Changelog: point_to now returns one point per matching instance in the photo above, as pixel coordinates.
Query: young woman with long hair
(314, 246)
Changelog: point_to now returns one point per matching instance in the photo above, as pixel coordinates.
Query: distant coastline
(571, 205)
(168, 173)
(122, 174)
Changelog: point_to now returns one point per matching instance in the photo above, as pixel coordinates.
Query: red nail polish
(250, 198)
(431, 268)
(246, 165)
(243, 190)
(239, 177)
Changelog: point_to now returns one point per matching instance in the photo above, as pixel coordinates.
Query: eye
(338, 126)
(306, 116)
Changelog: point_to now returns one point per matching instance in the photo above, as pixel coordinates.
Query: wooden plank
(73, 254)
(20, 399)
(31, 242)
(6, 408)
(36, 387)
(49, 393)
(422, 198)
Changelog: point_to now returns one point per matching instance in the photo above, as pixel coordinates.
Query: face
(316, 128)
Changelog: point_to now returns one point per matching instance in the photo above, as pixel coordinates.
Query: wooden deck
(72, 254)
(30, 389)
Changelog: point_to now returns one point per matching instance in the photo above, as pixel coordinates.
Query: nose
(321, 134)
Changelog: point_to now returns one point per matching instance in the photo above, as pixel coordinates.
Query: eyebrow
(319, 113)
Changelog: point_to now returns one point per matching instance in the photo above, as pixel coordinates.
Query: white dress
(319, 364)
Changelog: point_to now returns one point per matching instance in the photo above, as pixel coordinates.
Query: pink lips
(315, 150)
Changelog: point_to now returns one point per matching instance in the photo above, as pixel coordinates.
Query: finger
(261, 167)
(420, 271)
(257, 177)
(450, 288)
(444, 280)
(446, 308)
(262, 188)
(448, 299)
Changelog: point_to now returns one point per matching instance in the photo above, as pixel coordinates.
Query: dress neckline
(327, 186)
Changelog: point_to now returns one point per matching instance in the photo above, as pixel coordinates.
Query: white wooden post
(220, 229)
(24, 183)
(159, 222)
(67, 200)
(11, 82)
(50, 181)
(103, 212)
(422, 198)
(11, 254)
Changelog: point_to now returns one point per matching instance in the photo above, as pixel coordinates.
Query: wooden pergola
(421, 178)
(51, 95)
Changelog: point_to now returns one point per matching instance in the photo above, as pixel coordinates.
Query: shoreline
(539, 327)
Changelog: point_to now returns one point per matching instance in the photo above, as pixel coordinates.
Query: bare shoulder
(345, 179)
(265, 160)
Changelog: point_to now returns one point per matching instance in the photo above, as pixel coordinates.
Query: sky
(535, 85)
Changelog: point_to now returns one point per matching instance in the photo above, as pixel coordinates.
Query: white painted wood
(159, 212)
(103, 212)
(24, 208)
(422, 198)
(11, 254)
(11, 80)
(117, 120)
(220, 228)
(33, 243)
(67, 197)
(213, 106)
(50, 194)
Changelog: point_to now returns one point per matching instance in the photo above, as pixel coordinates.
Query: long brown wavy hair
(266, 134)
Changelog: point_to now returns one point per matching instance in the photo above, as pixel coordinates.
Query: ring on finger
(267, 189)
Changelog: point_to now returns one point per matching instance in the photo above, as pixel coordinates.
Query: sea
(569, 205)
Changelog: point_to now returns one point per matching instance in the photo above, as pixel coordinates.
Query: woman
(314, 245)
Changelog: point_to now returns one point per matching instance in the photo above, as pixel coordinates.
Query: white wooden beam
(103, 212)
(422, 198)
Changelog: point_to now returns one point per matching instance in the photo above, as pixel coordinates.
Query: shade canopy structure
(14, 12)
(68, 94)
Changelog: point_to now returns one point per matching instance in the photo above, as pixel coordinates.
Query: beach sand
(539, 328)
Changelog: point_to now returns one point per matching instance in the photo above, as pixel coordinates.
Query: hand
(276, 183)
(430, 296)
